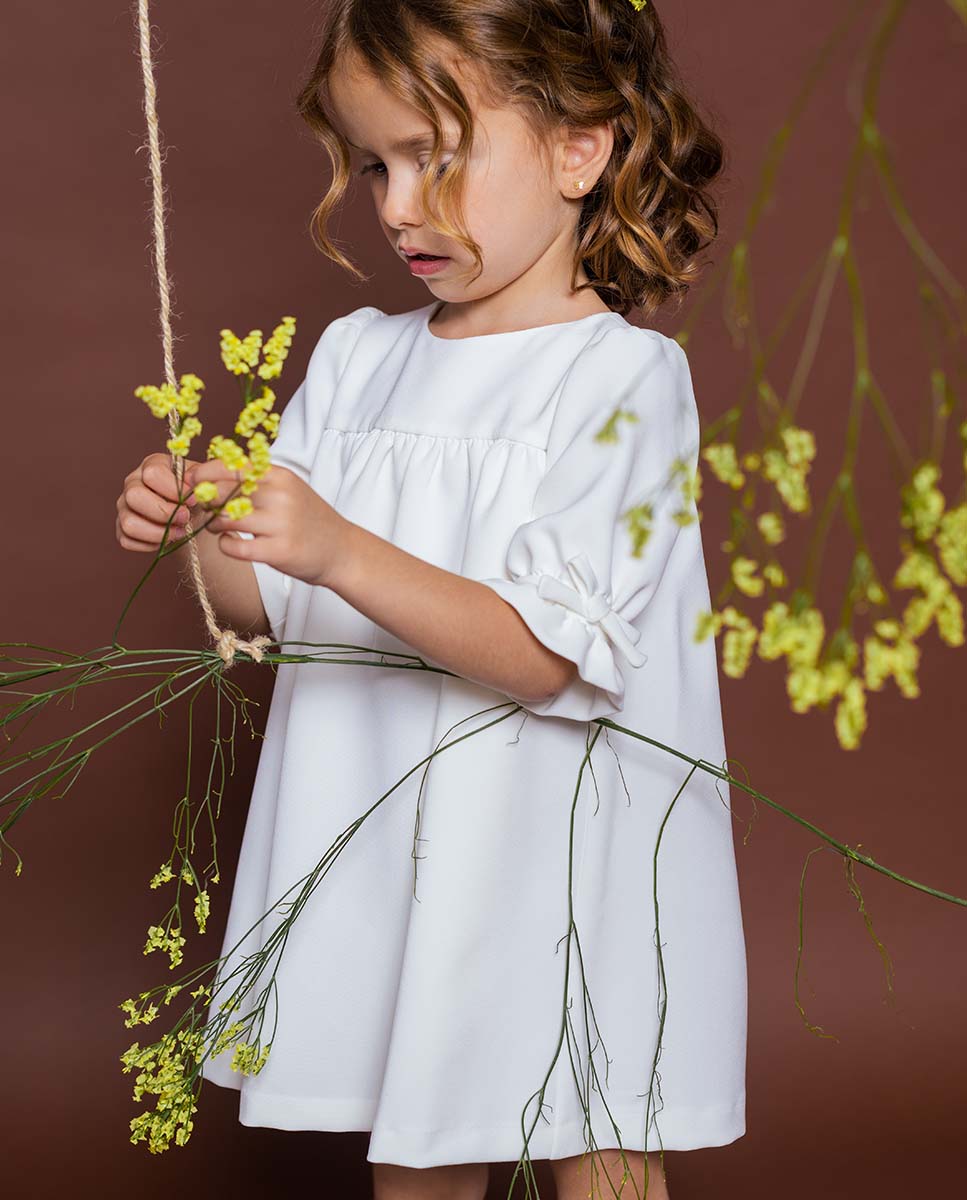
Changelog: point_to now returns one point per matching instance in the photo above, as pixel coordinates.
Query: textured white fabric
(422, 990)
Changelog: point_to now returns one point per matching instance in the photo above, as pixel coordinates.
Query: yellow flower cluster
(743, 570)
(892, 652)
(951, 540)
(180, 444)
(138, 1014)
(253, 466)
(744, 576)
(247, 1057)
(248, 1060)
(257, 413)
(938, 602)
(164, 875)
(788, 466)
(184, 400)
(787, 469)
(817, 675)
(721, 457)
(738, 641)
(241, 355)
(770, 525)
(160, 939)
(851, 721)
(144, 1014)
(228, 1034)
(819, 671)
(774, 574)
(228, 451)
(202, 909)
(796, 634)
(923, 511)
(167, 1070)
(157, 939)
(923, 501)
(162, 400)
(276, 349)
(933, 563)
(256, 422)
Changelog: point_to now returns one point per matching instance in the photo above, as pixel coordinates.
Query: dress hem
(681, 1129)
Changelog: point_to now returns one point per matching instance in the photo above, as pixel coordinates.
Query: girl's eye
(379, 169)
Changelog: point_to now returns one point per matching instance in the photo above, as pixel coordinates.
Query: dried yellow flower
(744, 576)
(256, 421)
(721, 457)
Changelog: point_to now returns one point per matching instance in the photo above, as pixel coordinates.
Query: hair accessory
(638, 4)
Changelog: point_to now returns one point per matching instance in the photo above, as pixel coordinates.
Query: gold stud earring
(579, 183)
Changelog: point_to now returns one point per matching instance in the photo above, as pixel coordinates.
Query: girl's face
(521, 206)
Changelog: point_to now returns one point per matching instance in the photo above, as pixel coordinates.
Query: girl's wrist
(339, 552)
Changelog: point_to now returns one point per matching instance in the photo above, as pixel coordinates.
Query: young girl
(438, 490)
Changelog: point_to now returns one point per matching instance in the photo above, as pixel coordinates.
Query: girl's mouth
(426, 264)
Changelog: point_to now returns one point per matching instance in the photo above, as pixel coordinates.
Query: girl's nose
(401, 202)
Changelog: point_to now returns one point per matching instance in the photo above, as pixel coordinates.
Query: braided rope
(226, 641)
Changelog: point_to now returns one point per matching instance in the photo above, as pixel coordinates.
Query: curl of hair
(562, 63)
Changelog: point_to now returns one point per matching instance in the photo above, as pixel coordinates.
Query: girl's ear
(583, 155)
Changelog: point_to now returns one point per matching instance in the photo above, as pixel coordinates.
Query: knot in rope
(228, 642)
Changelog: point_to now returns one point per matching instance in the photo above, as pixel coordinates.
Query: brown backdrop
(873, 1114)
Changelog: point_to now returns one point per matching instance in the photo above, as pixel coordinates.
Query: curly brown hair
(572, 63)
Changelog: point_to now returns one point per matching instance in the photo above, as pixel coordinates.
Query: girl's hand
(150, 493)
(296, 531)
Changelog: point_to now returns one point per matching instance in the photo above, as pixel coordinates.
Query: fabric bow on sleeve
(594, 605)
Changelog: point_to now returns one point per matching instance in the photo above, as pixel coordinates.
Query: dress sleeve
(300, 430)
(574, 571)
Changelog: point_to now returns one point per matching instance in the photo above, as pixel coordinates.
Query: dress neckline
(431, 310)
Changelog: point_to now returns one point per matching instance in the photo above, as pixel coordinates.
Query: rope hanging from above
(226, 641)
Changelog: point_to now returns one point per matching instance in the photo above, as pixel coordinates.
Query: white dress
(421, 993)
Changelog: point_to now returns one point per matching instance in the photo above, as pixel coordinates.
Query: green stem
(841, 847)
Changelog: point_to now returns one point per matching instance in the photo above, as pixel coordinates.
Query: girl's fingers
(214, 470)
(137, 531)
(147, 503)
(131, 543)
(255, 523)
(157, 475)
(228, 490)
(127, 543)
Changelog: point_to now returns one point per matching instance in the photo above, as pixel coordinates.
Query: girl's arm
(460, 624)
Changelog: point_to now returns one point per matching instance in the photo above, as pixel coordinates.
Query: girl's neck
(460, 320)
